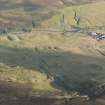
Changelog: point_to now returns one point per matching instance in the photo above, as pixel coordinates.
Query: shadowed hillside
(66, 68)
(66, 63)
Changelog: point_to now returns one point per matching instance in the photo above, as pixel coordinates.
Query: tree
(77, 18)
(4, 31)
(33, 24)
(26, 29)
(63, 24)
(62, 21)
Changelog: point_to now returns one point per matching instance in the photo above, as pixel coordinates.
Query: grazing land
(49, 54)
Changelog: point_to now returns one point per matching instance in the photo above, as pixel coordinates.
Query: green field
(91, 15)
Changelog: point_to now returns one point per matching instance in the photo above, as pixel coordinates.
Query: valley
(52, 52)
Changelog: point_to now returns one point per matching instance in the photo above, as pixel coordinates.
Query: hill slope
(90, 15)
(65, 58)
(20, 15)
(12, 3)
(52, 62)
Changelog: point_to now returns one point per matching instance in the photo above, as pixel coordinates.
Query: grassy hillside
(23, 18)
(51, 62)
(90, 15)
(20, 15)
(64, 58)
(44, 63)
(17, 74)
(4, 4)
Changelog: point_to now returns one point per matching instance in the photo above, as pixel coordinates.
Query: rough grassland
(90, 14)
(36, 57)
(66, 56)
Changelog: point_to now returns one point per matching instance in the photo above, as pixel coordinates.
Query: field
(91, 15)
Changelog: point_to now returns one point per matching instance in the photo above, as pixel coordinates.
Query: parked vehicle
(97, 36)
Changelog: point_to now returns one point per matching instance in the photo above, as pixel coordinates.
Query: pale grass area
(36, 80)
(75, 42)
